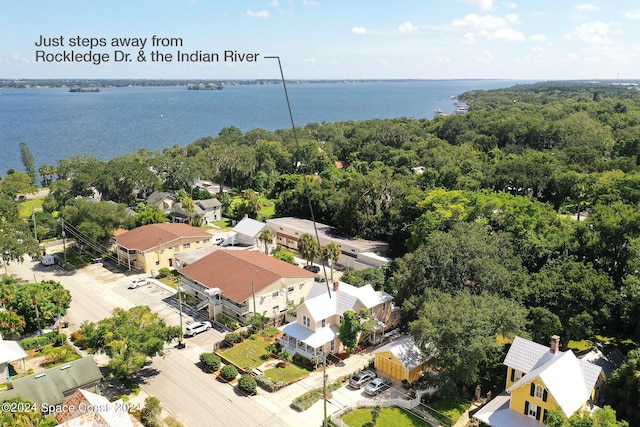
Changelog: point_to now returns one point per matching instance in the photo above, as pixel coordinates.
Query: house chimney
(555, 343)
(336, 285)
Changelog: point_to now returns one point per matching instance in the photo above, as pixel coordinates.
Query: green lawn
(286, 374)
(451, 407)
(394, 416)
(25, 208)
(248, 354)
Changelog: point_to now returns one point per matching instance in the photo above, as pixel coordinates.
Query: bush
(210, 361)
(228, 321)
(268, 384)
(229, 372)
(150, 414)
(247, 384)
(41, 341)
(306, 400)
(232, 337)
(163, 272)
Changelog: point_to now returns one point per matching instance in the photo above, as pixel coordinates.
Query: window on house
(276, 309)
(205, 241)
(306, 321)
(324, 323)
(532, 410)
(333, 345)
(384, 306)
(290, 289)
(186, 246)
(340, 319)
(274, 295)
(539, 392)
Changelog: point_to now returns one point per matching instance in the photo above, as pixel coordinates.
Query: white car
(138, 282)
(195, 328)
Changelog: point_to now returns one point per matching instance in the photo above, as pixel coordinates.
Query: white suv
(195, 328)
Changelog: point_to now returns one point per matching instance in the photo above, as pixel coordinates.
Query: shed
(400, 359)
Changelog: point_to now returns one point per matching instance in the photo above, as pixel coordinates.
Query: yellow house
(539, 379)
(153, 246)
(400, 359)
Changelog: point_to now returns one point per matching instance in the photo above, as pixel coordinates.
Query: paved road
(193, 397)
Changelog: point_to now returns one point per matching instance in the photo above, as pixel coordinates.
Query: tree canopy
(128, 337)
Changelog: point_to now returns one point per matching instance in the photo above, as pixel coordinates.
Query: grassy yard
(286, 374)
(25, 208)
(394, 416)
(249, 354)
(451, 407)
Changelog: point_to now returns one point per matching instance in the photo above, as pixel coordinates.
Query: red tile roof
(149, 236)
(234, 271)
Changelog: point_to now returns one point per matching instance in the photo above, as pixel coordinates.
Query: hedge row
(48, 338)
(269, 384)
(306, 400)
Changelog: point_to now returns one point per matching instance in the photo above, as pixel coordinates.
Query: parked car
(376, 386)
(361, 378)
(312, 268)
(138, 282)
(195, 328)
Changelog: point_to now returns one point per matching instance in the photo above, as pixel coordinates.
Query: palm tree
(188, 204)
(331, 252)
(266, 236)
(11, 324)
(308, 247)
(34, 294)
(58, 295)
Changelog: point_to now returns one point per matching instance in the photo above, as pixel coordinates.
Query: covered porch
(302, 341)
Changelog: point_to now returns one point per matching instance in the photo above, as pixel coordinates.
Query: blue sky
(331, 39)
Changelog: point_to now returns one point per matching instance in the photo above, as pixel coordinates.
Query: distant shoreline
(65, 83)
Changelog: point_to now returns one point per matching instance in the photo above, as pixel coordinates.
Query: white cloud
(586, 7)
(538, 50)
(592, 32)
(18, 58)
(573, 55)
(257, 13)
(311, 60)
(274, 3)
(310, 3)
(512, 18)
(469, 38)
(541, 38)
(632, 14)
(443, 59)
(385, 63)
(407, 27)
(486, 58)
(481, 5)
(473, 20)
(359, 30)
(504, 34)
(510, 5)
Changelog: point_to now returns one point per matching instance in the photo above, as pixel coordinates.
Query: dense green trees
(531, 198)
(129, 338)
(40, 304)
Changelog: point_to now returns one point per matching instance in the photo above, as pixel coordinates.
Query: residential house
(240, 283)
(153, 246)
(315, 330)
(84, 408)
(539, 379)
(10, 352)
(357, 254)
(161, 200)
(401, 359)
(53, 385)
(210, 210)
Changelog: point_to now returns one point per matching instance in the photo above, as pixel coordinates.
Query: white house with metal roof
(10, 352)
(539, 379)
(318, 318)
